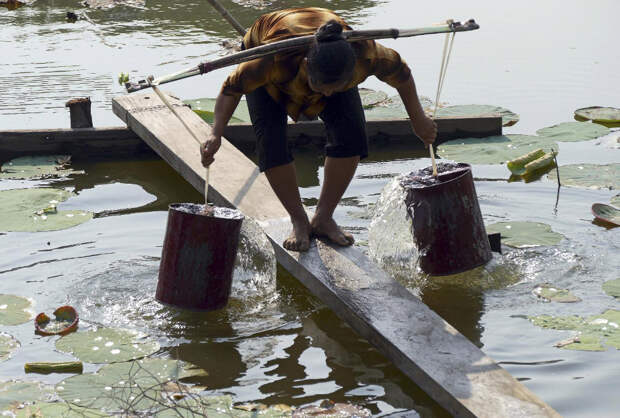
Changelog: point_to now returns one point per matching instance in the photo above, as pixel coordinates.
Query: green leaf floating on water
(592, 334)
(371, 97)
(492, 149)
(8, 344)
(612, 288)
(37, 167)
(573, 131)
(509, 118)
(14, 310)
(615, 201)
(56, 409)
(115, 386)
(549, 293)
(34, 210)
(525, 234)
(393, 108)
(17, 392)
(206, 106)
(107, 345)
(592, 176)
(598, 114)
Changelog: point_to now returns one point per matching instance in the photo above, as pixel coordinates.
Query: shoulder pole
(296, 43)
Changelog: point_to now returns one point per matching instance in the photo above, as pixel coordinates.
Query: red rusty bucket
(198, 256)
(448, 229)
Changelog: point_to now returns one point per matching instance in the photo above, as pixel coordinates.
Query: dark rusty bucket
(198, 257)
(447, 223)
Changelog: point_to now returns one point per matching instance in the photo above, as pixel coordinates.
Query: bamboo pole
(294, 44)
(234, 22)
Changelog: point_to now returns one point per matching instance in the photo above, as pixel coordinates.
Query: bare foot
(330, 230)
(299, 240)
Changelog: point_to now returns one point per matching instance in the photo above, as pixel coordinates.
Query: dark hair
(330, 57)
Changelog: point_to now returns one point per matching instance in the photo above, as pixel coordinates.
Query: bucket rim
(233, 215)
(466, 169)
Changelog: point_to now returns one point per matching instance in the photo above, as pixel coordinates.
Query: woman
(320, 81)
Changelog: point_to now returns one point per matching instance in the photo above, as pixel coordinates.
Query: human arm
(423, 126)
(246, 78)
(224, 108)
(388, 66)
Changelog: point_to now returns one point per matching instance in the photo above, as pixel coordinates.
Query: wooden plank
(432, 353)
(384, 131)
(122, 142)
(87, 142)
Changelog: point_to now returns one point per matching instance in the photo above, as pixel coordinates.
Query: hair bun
(329, 32)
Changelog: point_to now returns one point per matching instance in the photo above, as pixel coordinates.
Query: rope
(163, 97)
(447, 51)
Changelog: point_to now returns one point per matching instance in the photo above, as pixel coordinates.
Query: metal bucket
(448, 229)
(198, 257)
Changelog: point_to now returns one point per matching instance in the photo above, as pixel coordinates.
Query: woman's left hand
(425, 128)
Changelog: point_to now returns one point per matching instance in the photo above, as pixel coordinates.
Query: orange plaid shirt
(285, 76)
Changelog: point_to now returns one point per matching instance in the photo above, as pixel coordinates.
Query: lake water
(540, 60)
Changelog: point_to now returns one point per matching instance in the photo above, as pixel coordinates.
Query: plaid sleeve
(248, 76)
(387, 65)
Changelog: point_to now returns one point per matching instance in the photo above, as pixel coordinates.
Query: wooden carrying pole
(297, 43)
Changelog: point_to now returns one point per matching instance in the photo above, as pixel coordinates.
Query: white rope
(447, 51)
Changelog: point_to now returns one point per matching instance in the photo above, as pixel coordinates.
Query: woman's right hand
(209, 148)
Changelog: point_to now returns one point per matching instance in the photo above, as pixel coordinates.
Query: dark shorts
(344, 122)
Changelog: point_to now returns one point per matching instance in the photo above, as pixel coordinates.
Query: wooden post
(80, 113)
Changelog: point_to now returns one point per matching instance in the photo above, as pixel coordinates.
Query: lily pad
(509, 118)
(592, 176)
(490, 150)
(394, 108)
(56, 409)
(598, 114)
(14, 310)
(16, 392)
(34, 210)
(593, 333)
(549, 293)
(206, 106)
(615, 201)
(131, 386)
(107, 345)
(37, 167)
(525, 234)
(8, 344)
(371, 97)
(612, 288)
(573, 131)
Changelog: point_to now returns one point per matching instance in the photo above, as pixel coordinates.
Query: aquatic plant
(35, 210)
(14, 310)
(8, 344)
(107, 345)
(525, 234)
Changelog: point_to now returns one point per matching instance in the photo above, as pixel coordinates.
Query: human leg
(346, 145)
(276, 160)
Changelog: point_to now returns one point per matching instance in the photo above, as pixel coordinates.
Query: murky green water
(540, 60)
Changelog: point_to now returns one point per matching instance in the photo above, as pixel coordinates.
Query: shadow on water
(313, 357)
(154, 175)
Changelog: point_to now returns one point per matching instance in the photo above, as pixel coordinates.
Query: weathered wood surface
(431, 352)
(383, 131)
(122, 142)
(88, 142)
